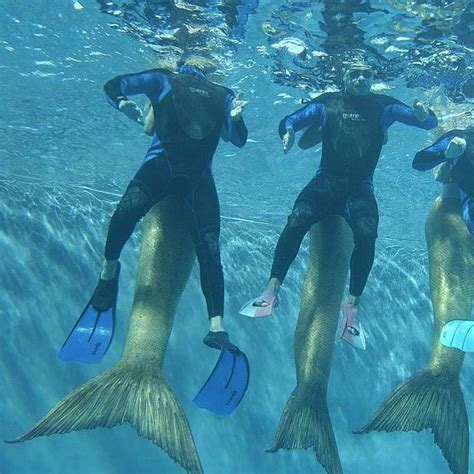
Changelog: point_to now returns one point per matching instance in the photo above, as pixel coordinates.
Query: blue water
(66, 157)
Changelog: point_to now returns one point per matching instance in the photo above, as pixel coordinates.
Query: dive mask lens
(365, 73)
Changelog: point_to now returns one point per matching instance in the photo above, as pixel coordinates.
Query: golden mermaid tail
(433, 397)
(135, 390)
(305, 422)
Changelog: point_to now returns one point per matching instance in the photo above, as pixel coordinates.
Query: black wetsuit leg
(362, 215)
(202, 204)
(314, 203)
(149, 186)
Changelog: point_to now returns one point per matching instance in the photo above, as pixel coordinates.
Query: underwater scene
(237, 236)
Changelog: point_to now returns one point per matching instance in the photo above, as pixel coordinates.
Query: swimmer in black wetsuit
(453, 153)
(177, 162)
(353, 126)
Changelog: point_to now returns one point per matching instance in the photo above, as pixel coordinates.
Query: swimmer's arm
(151, 83)
(311, 114)
(234, 129)
(433, 155)
(399, 112)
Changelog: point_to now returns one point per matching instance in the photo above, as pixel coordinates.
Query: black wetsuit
(462, 171)
(353, 130)
(191, 114)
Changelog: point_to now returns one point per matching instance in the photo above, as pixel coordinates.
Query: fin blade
(226, 386)
(429, 400)
(305, 423)
(138, 396)
(90, 337)
(458, 333)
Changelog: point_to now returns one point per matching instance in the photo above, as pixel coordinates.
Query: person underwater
(353, 127)
(433, 397)
(135, 389)
(452, 159)
(456, 150)
(191, 114)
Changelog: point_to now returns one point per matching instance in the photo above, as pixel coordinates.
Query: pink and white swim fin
(252, 310)
(351, 330)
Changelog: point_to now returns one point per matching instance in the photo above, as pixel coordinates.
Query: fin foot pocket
(351, 329)
(252, 309)
(105, 293)
(219, 340)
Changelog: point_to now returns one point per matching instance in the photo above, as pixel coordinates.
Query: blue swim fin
(92, 334)
(90, 338)
(458, 333)
(227, 384)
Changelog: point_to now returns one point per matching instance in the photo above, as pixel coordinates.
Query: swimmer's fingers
(131, 110)
(288, 140)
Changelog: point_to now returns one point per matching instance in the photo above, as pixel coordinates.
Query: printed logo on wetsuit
(354, 117)
(199, 91)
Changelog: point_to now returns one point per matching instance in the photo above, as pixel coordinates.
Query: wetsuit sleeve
(397, 111)
(433, 155)
(236, 129)
(151, 83)
(312, 114)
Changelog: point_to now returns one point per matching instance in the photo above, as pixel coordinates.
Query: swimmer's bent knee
(208, 249)
(301, 216)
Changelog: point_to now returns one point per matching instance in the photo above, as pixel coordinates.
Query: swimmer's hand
(131, 110)
(455, 148)
(238, 107)
(288, 140)
(420, 111)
